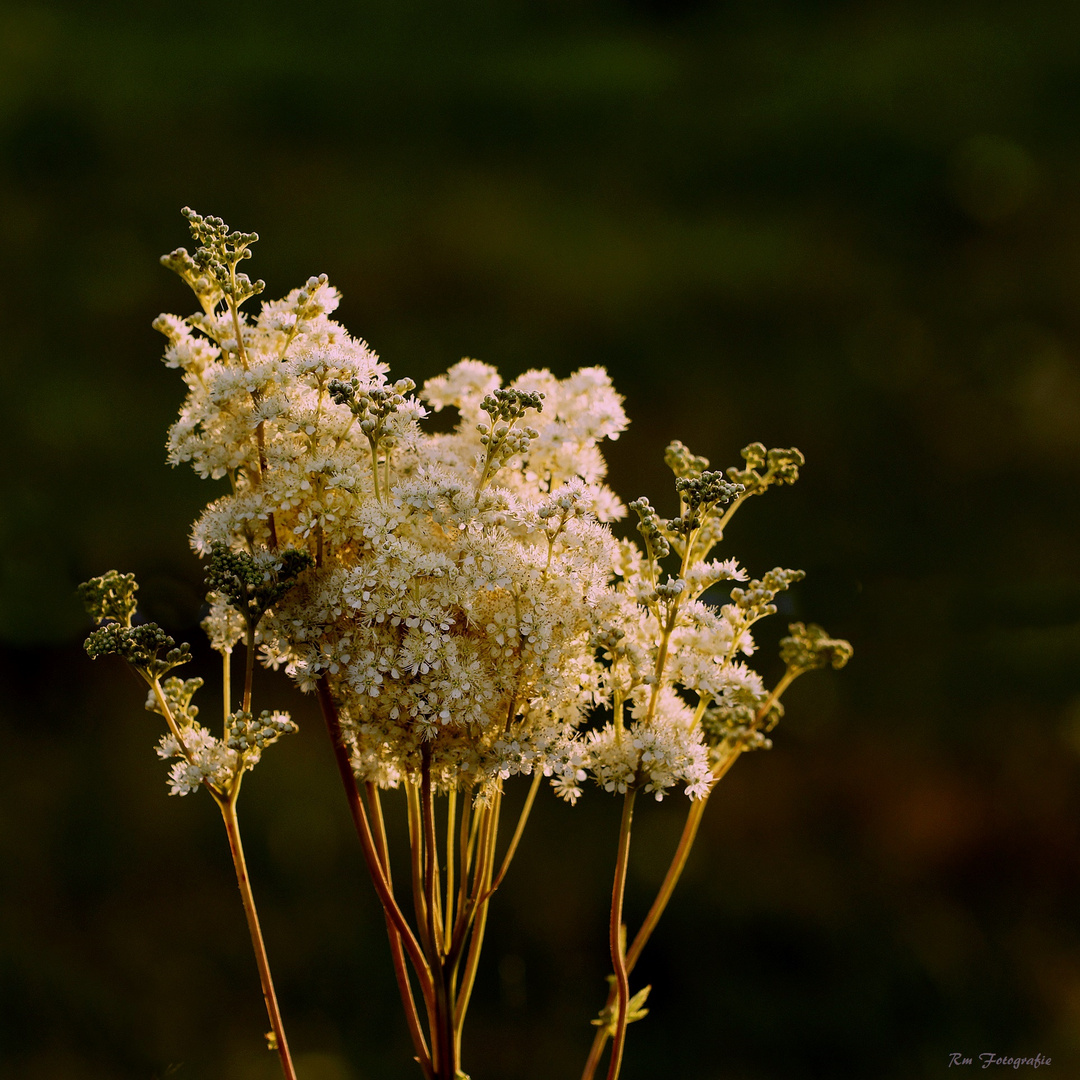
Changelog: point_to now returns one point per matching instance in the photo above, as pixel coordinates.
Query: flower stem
(367, 844)
(232, 828)
(617, 936)
(431, 856)
(249, 666)
(476, 918)
(226, 682)
(671, 879)
(516, 838)
(448, 915)
(397, 951)
(667, 887)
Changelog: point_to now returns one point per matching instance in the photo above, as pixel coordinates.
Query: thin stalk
(174, 728)
(472, 961)
(226, 683)
(662, 655)
(375, 470)
(431, 856)
(516, 838)
(474, 834)
(397, 951)
(367, 844)
(249, 666)
(416, 850)
(234, 310)
(678, 864)
(667, 887)
(447, 1058)
(232, 828)
(789, 676)
(260, 435)
(671, 879)
(448, 914)
(478, 912)
(699, 712)
(616, 936)
(464, 848)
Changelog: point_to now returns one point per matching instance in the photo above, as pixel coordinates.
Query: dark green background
(851, 227)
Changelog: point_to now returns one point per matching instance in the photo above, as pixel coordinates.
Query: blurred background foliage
(849, 226)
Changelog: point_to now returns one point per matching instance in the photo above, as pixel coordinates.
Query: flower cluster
(460, 594)
(674, 659)
(455, 579)
(203, 758)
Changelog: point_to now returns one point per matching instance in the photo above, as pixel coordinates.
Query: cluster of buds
(248, 733)
(651, 527)
(756, 600)
(177, 694)
(110, 600)
(252, 584)
(211, 271)
(808, 648)
(244, 584)
(780, 467)
(699, 496)
(501, 438)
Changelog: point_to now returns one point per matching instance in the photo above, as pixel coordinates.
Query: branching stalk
(278, 1042)
(675, 870)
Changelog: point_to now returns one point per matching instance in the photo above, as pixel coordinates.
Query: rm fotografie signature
(986, 1060)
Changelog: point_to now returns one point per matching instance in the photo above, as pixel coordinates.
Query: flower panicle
(460, 592)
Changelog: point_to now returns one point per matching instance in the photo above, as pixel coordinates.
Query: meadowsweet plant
(461, 608)
(202, 759)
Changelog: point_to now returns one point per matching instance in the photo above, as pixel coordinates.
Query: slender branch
(379, 832)
(678, 864)
(397, 952)
(789, 676)
(667, 887)
(516, 838)
(226, 682)
(617, 936)
(464, 849)
(234, 310)
(260, 436)
(448, 914)
(232, 829)
(155, 685)
(249, 665)
(431, 854)
(472, 962)
(367, 844)
(478, 909)
(474, 833)
(375, 468)
(671, 879)
(416, 851)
